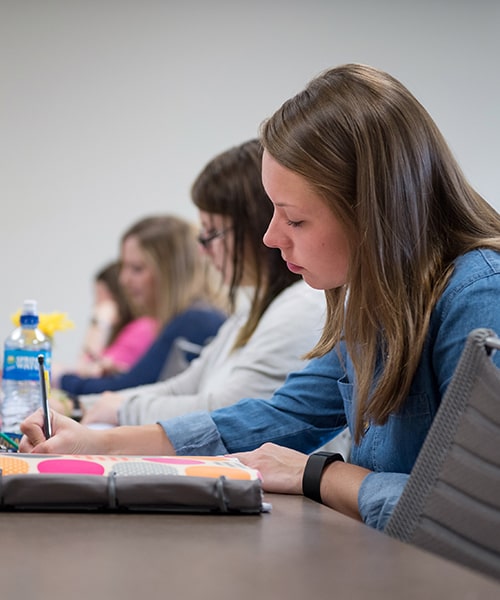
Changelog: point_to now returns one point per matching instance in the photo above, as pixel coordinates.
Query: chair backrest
(179, 357)
(451, 503)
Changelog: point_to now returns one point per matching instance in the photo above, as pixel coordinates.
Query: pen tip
(40, 358)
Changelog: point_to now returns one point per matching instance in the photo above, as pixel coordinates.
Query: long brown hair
(371, 150)
(231, 185)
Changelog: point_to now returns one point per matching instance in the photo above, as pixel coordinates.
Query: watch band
(311, 480)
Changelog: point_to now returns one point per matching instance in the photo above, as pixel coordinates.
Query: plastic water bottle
(21, 387)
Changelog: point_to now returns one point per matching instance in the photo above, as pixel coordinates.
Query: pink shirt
(132, 342)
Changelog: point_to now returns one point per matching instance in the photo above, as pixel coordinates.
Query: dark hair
(231, 185)
(110, 276)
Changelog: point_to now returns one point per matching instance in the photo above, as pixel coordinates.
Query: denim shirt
(316, 403)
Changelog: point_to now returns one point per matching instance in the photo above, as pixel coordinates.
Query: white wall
(108, 110)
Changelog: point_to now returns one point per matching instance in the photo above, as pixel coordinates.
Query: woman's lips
(293, 268)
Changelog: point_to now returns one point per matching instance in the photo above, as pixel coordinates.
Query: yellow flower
(49, 323)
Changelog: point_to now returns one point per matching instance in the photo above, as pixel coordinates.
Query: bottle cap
(30, 308)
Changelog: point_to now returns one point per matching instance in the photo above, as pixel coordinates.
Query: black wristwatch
(311, 480)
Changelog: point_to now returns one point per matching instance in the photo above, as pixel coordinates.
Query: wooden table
(301, 550)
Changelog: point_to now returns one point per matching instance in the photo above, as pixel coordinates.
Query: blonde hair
(371, 150)
(184, 275)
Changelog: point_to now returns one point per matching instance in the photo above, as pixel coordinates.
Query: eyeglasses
(206, 240)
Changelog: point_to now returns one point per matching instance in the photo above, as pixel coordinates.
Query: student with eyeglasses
(205, 239)
(262, 340)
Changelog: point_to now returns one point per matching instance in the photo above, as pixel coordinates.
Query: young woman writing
(371, 206)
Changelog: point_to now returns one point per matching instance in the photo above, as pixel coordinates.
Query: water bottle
(21, 388)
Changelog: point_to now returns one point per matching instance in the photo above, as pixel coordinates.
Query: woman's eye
(294, 223)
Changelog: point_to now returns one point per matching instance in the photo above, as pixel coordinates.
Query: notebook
(129, 483)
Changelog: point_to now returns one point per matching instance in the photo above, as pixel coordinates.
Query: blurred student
(166, 278)
(115, 340)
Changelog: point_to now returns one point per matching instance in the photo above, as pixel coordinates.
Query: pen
(45, 401)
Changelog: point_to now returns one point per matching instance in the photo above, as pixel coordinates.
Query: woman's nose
(270, 238)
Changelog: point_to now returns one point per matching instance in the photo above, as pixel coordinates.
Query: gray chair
(177, 360)
(451, 503)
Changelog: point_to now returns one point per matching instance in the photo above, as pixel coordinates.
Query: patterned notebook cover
(126, 483)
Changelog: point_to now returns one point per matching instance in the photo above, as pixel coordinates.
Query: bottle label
(22, 365)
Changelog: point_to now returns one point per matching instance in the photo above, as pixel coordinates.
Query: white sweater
(289, 328)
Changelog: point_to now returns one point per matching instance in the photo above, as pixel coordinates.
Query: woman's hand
(281, 468)
(104, 410)
(68, 436)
